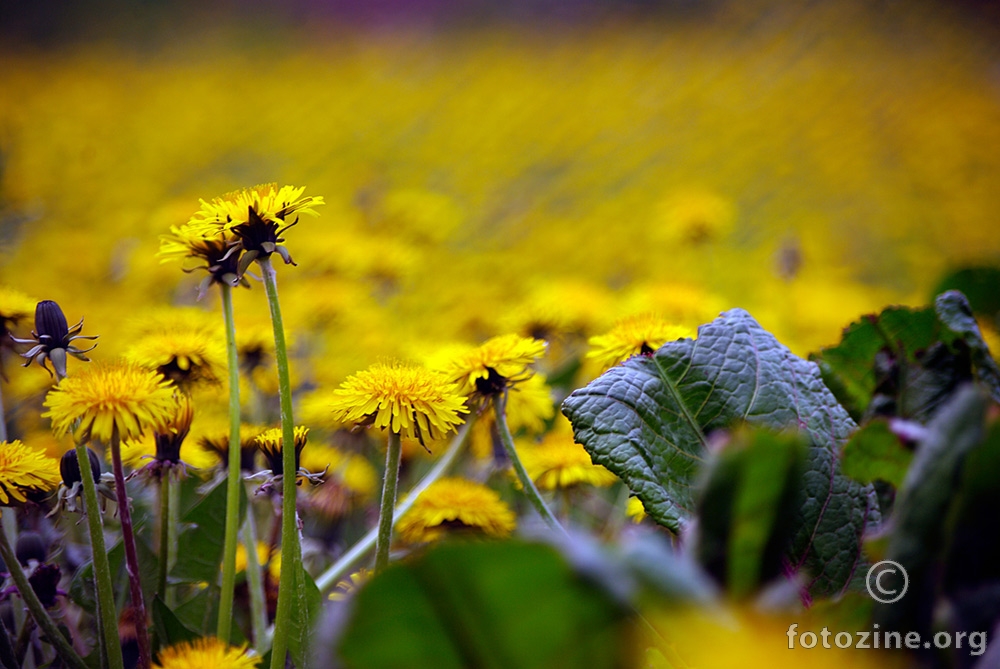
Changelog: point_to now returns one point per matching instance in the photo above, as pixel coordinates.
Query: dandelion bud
(30, 546)
(69, 467)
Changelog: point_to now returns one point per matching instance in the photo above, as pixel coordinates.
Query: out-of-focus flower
(215, 250)
(185, 355)
(410, 400)
(635, 510)
(634, 335)
(263, 553)
(455, 504)
(694, 217)
(559, 462)
(495, 365)
(205, 653)
(216, 441)
(52, 339)
(350, 585)
(529, 407)
(256, 217)
(119, 396)
(349, 479)
(15, 306)
(24, 470)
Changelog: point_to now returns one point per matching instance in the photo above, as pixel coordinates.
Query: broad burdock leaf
(956, 314)
(647, 421)
(876, 453)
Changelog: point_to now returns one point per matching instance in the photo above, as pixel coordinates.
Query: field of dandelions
(476, 275)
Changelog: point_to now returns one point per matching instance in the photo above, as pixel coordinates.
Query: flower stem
(341, 567)
(131, 556)
(38, 612)
(390, 483)
(291, 590)
(233, 479)
(499, 409)
(3, 416)
(164, 562)
(174, 492)
(258, 612)
(101, 566)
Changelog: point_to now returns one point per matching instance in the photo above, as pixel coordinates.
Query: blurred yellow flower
(186, 356)
(15, 307)
(495, 365)
(452, 504)
(205, 653)
(640, 333)
(559, 462)
(113, 397)
(635, 510)
(24, 470)
(529, 407)
(350, 585)
(410, 400)
(694, 217)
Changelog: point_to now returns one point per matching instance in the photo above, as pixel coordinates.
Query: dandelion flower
(112, 397)
(186, 356)
(559, 462)
(271, 443)
(205, 653)
(350, 585)
(263, 553)
(348, 478)
(641, 333)
(256, 217)
(15, 306)
(456, 504)
(529, 407)
(215, 250)
(635, 510)
(496, 364)
(410, 400)
(694, 217)
(24, 470)
(52, 339)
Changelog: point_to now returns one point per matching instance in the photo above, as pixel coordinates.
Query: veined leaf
(647, 421)
(876, 453)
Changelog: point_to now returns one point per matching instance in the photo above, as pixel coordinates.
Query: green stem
(164, 562)
(258, 610)
(499, 409)
(102, 568)
(233, 479)
(131, 555)
(390, 482)
(3, 416)
(38, 612)
(328, 579)
(173, 518)
(291, 590)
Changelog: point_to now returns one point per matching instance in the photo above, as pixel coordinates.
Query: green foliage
(169, 628)
(303, 620)
(747, 508)
(981, 285)
(486, 605)
(199, 546)
(647, 421)
(874, 453)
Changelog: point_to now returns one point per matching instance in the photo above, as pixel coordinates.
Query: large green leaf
(917, 539)
(487, 605)
(300, 631)
(647, 421)
(955, 313)
(875, 453)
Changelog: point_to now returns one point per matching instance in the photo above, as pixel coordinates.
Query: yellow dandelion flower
(635, 510)
(263, 552)
(15, 306)
(529, 407)
(456, 504)
(186, 356)
(350, 585)
(205, 653)
(212, 248)
(641, 333)
(256, 217)
(496, 364)
(559, 462)
(350, 470)
(694, 217)
(119, 396)
(23, 470)
(213, 438)
(410, 400)
(270, 444)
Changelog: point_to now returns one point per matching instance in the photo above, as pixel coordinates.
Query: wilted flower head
(117, 397)
(24, 470)
(455, 504)
(271, 445)
(53, 339)
(634, 335)
(410, 400)
(495, 365)
(255, 217)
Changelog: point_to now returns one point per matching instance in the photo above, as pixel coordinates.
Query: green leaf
(200, 613)
(981, 285)
(747, 509)
(874, 453)
(487, 605)
(169, 629)
(954, 311)
(647, 419)
(81, 588)
(200, 544)
(917, 539)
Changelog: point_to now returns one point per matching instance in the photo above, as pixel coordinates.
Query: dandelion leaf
(647, 421)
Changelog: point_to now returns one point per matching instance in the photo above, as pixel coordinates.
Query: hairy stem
(102, 568)
(328, 579)
(499, 409)
(291, 590)
(131, 556)
(35, 607)
(233, 480)
(390, 482)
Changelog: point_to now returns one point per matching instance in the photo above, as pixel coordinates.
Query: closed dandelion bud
(30, 546)
(52, 339)
(69, 467)
(50, 323)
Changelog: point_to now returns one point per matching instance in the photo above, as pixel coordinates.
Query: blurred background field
(537, 168)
